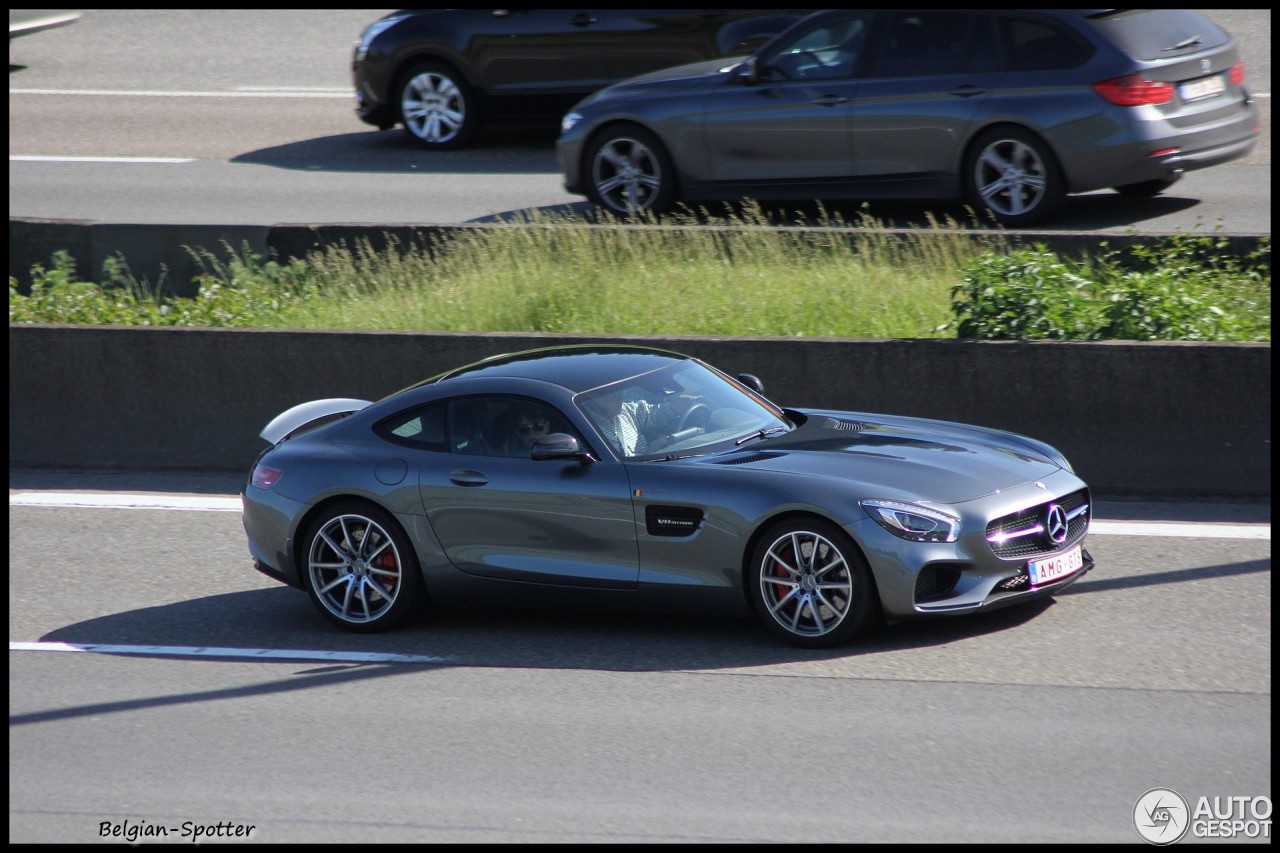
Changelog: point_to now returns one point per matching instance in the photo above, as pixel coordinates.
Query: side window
(982, 51)
(1037, 46)
(422, 428)
(829, 51)
(467, 419)
(920, 43)
(502, 426)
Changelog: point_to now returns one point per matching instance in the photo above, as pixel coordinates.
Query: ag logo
(1161, 816)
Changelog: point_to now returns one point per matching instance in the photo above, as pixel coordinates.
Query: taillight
(1134, 90)
(264, 477)
(1237, 73)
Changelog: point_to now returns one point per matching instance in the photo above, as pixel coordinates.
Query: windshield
(681, 410)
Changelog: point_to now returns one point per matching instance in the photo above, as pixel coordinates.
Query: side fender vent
(662, 520)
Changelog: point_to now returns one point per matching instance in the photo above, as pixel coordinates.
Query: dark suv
(442, 73)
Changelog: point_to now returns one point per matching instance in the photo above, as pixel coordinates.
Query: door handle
(967, 91)
(831, 101)
(582, 19)
(465, 477)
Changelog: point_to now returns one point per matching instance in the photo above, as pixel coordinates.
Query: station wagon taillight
(1134, 90)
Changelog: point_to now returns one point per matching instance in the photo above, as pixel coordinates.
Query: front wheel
(437, 107)
(360, 569)
(1012, 174)
(629, 172)
(811, 586)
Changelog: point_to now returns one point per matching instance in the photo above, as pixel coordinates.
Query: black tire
(1147, 189)
(825, 598)
(359, 568)
(1011, 174)
(629, 171)
(437, 107)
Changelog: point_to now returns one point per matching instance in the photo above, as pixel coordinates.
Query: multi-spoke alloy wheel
(361, 572)
(1013, 175)
(436, 107)
(630, 172)
(810, 584)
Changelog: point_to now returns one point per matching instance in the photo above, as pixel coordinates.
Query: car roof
(576, 367)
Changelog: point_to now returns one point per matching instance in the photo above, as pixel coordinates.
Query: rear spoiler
(303, 415)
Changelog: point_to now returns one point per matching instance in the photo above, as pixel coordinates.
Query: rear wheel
(360, 569)
(629, 171)
(810, 584)
(1012, 174)
(437, 107)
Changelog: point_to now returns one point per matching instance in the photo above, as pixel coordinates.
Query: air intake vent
(750, 457)
(845, 426)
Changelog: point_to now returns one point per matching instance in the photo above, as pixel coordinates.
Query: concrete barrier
(1136, 419)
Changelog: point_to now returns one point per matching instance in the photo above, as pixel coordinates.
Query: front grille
(936, 580)
(1024, 534)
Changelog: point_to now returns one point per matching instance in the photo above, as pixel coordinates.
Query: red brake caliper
(387, 561)
(783, 573)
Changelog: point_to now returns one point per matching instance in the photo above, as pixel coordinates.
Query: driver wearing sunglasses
(531, 424)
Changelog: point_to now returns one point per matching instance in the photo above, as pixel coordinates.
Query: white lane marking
(31, 158)
(147, 93)
(217, 503)
(216, 652)
(1188, 530)
(113, 500)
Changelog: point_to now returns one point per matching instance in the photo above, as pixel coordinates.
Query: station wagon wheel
(1012, 174)
(810, 584)
(360, 569)
(437, 106)
(629, 171)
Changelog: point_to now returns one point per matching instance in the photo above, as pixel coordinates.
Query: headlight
(371, 32)
(567, 123)
(914, 522)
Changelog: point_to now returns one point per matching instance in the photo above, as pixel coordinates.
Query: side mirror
(559, 445)
(747, 71)
(752, 381)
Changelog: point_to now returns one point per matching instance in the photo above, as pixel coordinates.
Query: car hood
(899, 457)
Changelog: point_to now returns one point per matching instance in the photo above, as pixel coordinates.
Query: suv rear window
(1150, 34)
(1038, 45)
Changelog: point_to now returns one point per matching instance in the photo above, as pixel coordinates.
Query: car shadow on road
(518, 150)
(496, 151)
(280, 618)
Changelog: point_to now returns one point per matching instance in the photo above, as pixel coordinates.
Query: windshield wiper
(760, 433)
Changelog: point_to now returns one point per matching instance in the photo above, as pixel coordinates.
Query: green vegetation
(737, 277)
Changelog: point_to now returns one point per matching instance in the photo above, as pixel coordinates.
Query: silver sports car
(621, 476)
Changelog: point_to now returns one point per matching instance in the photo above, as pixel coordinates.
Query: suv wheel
(437, 107)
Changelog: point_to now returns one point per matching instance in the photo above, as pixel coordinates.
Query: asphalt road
(1039, 724)
(256, 108)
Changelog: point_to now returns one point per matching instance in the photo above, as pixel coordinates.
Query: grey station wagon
(1008, 110)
